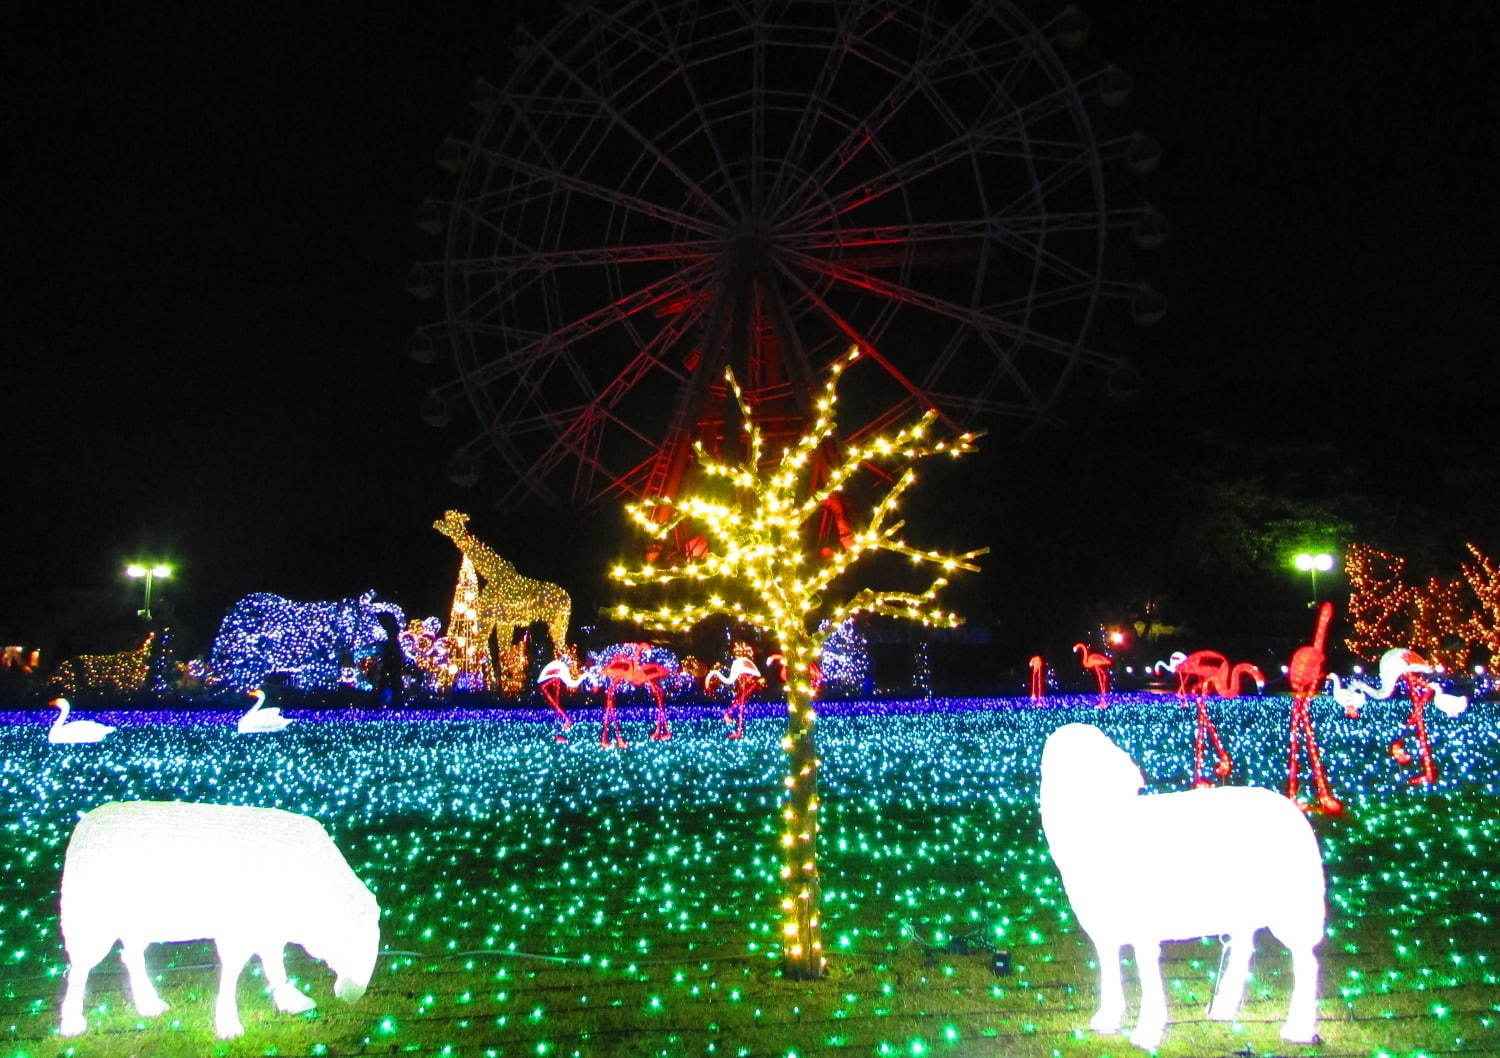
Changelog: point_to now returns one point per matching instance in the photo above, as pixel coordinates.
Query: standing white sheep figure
(1143, 870)
(250, 879)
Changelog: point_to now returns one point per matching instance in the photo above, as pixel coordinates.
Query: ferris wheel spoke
(1011, 231)
(509, 265)
(980, 320)
(650, 357)
(634, 203)
(647, 145)
(668, 38)
(865, 342)
(529, 378)
(812, 101)
(652, 294)
(893, 179)
(863, 133)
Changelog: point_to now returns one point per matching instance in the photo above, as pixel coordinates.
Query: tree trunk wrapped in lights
(763, 555)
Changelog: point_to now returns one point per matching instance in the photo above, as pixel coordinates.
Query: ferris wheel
(665, 188)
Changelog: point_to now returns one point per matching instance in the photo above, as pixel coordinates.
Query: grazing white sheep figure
(1143, 870)
(250, 879)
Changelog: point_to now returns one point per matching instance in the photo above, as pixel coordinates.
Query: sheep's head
(1083, 769)
(349, 943)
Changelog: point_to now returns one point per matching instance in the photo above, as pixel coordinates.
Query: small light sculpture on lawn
(1096, 663)
(1143, 870)
(557, 675)
(121, 673)
(744, 677)
(1305, 675)
(252, 880)
(1198, 674)
(1402, 666)
(632, 667)
(75, 732)
(1038, 677)
(261, 719)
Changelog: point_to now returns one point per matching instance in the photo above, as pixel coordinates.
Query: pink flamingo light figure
(556, 675)
(1098, 664)
(1038, 677)
(631, 667)
(1305, 674)
(744, 677)
(1400, 665)
(1198, 674)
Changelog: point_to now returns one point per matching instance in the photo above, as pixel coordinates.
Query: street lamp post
(1312, 565)
(149, 573)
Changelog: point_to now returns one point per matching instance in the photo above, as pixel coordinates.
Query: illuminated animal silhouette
(1203, 672)
(1170, 664)
(1098, 664)
(1350, 697)
(630, 667)
(123, 673)
(558, 674)
(1450, 705)
(507, 600)
(75, 732)
(306, 642)
(261, 719)
(1397, 666)
(744, 677)
(1140, 870)
(1038, 677)
(1305, 675)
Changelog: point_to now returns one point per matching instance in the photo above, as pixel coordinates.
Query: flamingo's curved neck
(1320, 634)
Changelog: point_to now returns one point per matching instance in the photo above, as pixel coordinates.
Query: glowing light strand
(760, 550)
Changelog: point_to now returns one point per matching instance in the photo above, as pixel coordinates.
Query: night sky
(210, 219)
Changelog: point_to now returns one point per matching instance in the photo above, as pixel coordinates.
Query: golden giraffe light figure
(507, 600)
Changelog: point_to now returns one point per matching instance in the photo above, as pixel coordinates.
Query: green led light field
(548, 898)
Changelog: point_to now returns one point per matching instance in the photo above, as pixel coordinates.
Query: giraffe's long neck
(479, 555)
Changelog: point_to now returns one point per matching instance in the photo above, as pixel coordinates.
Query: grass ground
(545, 898)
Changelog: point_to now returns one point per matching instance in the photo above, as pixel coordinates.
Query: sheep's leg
(1230, 989)
(1111, 990)
(1302, 1016)
(289, 998)
(1153, 1018)
(147, 1003)
(82, 958)
(226, 1008)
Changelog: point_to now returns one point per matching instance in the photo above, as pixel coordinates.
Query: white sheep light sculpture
(1143, 870)
(143, 872)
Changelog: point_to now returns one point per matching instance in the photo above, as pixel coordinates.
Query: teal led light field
(554, 898)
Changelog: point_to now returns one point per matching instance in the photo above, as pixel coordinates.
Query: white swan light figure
(261, 720)
(1350, 697)
(77, 731)
(1451, 704)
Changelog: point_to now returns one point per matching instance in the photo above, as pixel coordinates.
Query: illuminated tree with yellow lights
(763, 568)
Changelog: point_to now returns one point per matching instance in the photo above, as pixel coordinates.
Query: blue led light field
(545, 897)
